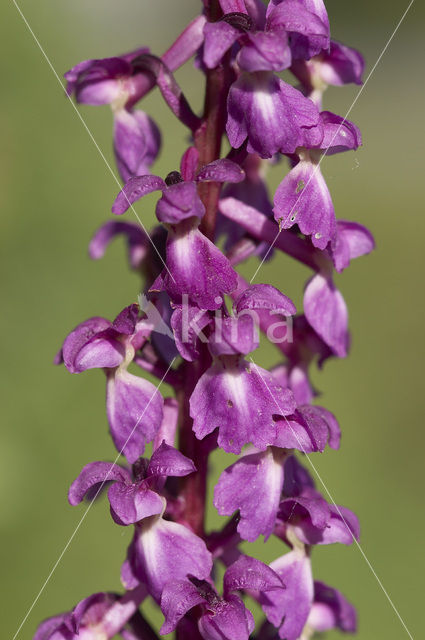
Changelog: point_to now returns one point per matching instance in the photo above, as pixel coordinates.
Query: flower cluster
(198, 321)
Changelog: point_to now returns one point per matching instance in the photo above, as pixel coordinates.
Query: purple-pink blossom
(198, 325)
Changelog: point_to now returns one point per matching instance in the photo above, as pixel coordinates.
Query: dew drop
(229, 404)
(317, 236)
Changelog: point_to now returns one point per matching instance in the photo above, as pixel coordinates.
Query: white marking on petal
(264, 101)
(234, 381)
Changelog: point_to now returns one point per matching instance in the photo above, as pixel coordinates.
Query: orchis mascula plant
(185, 333)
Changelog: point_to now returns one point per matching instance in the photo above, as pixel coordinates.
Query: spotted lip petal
(241, 401)
(303, 198)
(234, 492)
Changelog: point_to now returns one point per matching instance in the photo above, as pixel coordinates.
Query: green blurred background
(57, 190)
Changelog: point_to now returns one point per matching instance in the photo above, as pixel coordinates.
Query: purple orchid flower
(162, 551)
(288, 609)
(351, 240)
(305, 348)
(305, 608)
(310, 428)
(101, 615)
(302, 197)
(267, 48)
(184, 332)
(314, 36)
(132, 499)
(115, 81)
(313, 521)
(305, 514)
(330, 610)
(221, 617)
(258, 509)
(270, 114)
(134, 405)
(326, 312)
(338, 66)
(108, 80)
(224, 395)
(181, 210)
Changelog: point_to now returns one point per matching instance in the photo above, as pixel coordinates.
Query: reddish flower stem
(209, 136)
(194, 486)
(208, 142)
